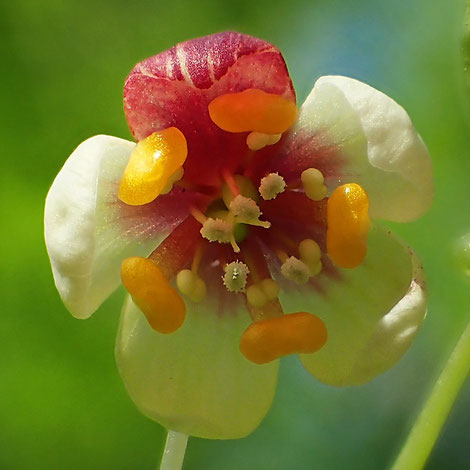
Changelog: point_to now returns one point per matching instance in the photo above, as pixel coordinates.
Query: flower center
(258, 230)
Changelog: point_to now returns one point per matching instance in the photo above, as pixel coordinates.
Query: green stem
(175, 448)
(426, 429)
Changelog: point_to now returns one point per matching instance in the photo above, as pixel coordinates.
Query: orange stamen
(270, 339)
(253, 110)
(152, 293)
(348, 225)
(152, 163)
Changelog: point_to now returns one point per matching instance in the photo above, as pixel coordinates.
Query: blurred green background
(62, 404)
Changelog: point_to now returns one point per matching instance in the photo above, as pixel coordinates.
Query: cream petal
(89, 231)
(379, 147)
(372, 312)
(195, 380)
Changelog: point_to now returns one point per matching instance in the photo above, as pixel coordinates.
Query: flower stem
(426, 429)
(175, 448)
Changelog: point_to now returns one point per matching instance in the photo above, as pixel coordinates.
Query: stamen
(246, 211)
(310, 254)
(271, 185)
(261, 293)
(258, 140)
(313, 182)
(348, 225)
(235, 277)
(153, 162)
(221, 231)
(191, 285)
(295, 270)
(176, 176)
(198, 215)
(253, 110)
(152, 293)
(270, 339)
(244, 187)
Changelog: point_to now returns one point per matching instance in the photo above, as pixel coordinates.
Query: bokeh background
(63, 64)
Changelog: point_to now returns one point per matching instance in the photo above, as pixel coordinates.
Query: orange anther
(153, 294)
(270, 339)
(348, 225)
(253, 110)
(152, 163)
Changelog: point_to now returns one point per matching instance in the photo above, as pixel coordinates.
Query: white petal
(381, 149)
(195, 380)
(372, 312)
(88, 231)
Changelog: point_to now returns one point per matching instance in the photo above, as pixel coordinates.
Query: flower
(244, 230)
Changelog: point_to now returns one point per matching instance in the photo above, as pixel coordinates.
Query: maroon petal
(175, 87)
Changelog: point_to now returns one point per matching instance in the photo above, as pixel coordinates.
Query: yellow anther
(271, 185)
(235, 276)
(176, 176)
(154, 161)
(271, 339)
(246, 211)
(313, 182)
(295, 270)
(244, 185)
(191, 285)
(221, 231)
(348, 225)
(310, 254)
(261, 293)
(152, 293)
(258, 140)
(253, 110)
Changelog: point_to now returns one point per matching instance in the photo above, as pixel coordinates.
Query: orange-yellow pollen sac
(152, 293)
(153, 162)
(266, 340)
(253, 110)
(348, 225)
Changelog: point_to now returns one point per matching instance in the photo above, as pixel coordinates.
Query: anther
(313, 183)
(261, 293)
(191, 285)
(176, 176)
(246, 211)
(152, 293)
(258, 140)
(266, 340)
(253, 110)
(153, 162)
(310, 254)
(295, 270)
(271, 185)
(348, 225)
(235, 276)
(221, 231)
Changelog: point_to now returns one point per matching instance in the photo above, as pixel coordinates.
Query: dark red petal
(174, 88)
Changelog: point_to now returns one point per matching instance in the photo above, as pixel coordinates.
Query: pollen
(246, 211)
(235, 277)
(154, 162)
(253, 110)
(152, 293)
(348, 225)
(258, 140)
(259, 294)
(191, 285)
(313, 183)
(271, 185)
(221, 231)
(270, 339)
(295, 270)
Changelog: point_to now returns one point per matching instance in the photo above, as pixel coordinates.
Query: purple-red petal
(174, 88)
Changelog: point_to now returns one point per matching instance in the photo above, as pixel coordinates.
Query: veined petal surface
(354, 133)
(89, 231)
(195, 380)
(372, 312)
(175, 87)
